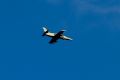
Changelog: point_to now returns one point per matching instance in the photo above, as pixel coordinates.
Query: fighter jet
(55, 36)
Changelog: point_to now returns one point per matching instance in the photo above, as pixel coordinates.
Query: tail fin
(45, 31)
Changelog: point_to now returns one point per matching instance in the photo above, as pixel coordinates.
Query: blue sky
(92, 55)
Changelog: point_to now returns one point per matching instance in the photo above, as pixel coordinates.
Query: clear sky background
(94, 54)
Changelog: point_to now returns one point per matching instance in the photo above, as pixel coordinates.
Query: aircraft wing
(65, 37)
(53, 40)
(60, 33)
(56, 37)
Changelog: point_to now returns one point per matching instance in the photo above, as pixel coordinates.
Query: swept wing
(56, 37)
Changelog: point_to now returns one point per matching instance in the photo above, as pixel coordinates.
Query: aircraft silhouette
(55, 36)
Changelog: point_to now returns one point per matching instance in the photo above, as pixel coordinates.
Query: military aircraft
(55, 36)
